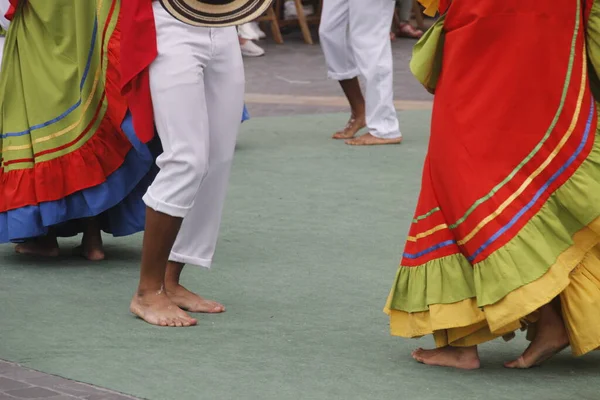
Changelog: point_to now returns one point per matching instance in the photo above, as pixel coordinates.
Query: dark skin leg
(550, 339)
(184, 298)
(91, 245)
(44, 246)
(357, 120)
(151, 302)
(353, 92)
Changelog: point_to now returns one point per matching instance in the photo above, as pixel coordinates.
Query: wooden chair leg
(275, 30)
(302, 21)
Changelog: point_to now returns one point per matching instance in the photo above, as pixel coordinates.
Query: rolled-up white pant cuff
(343, 76)
(180, 258)
(390, 135)
(165, 208)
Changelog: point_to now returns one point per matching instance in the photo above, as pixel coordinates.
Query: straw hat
(216, 13)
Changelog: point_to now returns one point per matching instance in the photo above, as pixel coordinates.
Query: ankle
(149, 290)
(467, 352)
(171, 285)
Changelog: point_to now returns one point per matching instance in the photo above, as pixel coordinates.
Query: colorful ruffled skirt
(508, 216)
(68, 149)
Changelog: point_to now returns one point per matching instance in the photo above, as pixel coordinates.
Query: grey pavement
(292, 69)
(298, 69)
(21, 383)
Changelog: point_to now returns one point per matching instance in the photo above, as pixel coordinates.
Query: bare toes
(160, 310)
(519, 363)
(186, 319)
(191, 302)
(217, 308)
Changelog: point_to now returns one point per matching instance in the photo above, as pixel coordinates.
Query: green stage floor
(311, 238)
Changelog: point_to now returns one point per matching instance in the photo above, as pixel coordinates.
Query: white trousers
(4, 6)
(355, 37)
(197, 86)
(1, 50)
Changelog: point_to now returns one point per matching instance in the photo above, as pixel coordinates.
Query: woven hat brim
(206, 15)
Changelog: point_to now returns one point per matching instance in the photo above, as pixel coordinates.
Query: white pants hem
(343, 76)
(391, 135)
(200, 262)
(165, 208)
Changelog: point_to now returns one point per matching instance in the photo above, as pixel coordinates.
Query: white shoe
(245, 31)
(256, 28)
(251, 49)
(290, 12)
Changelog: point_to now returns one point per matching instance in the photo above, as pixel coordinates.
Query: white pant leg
(1, 50)
(4, 6)
(335, 42)
(224, 89)
(370, 23)
(180, 114)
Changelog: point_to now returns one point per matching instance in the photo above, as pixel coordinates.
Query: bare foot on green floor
(353, 126)
(453, 357)
(91, 247)
(158, 309)
(551, 338)
(370, 140)
(192, 302)
(45, 246)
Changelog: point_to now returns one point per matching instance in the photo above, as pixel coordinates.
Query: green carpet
(311, 238)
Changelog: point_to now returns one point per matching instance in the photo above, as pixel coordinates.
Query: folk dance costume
(508, 218)
(355, 37)
(68, 147)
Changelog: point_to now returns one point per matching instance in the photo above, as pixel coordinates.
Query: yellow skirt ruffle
(575, 277)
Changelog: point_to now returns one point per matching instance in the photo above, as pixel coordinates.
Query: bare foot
(91, 249)
(408, 31)
(93, 254)
(90, 253)
(551, 338)
(191, 302)
(370, 140)
(353, 126)
(157, 309)
(453, 357)
(91, 245)
(45, 246)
